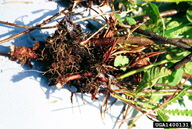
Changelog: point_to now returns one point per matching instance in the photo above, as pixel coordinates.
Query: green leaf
(175, 77)
(121, 61)
(155, 9)
(190, 3)
(130, 20)
(189, 14)
(119, 18)
(174, 29)
(181, 102)
(162, 116)
(126, 4)
(176, 56)
(155, 98)
(185, 112)
(151, 76)
(190, 97)
(188, 67)
(152, 12)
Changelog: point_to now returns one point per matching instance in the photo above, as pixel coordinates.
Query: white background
(26, 100)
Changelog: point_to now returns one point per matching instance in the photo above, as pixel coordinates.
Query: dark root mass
(66, 61)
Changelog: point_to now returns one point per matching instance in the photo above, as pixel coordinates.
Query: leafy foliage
(162, 116)
(155, 12)
(119, 18)
(188, 67)
(190, 97)
(178, 26)
(121, 61)
(179, 112)
(126, 4)
(130, 20)
(189, 14)
(151, 76)
(176, 55)
(152, 11)
(175, 27)
(172, 79)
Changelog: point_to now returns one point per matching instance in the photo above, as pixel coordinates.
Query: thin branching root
(123, 60)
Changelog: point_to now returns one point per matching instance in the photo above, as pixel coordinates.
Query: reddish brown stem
(4, 54)
(101, 41)
(139, 40)
(163, 39)
(77, 76)
(110, 51)
(61, 81)
(150, 55)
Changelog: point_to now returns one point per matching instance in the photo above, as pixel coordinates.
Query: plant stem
(165, 103)
(27, 27)
(138, 40)
(86, 41)
(124, 113)
(133, 101)
(142, 69)
(168, 13)
(29, 30)
(4, 54)
(162, 92)
(163, 39)
(101, 14)
(26, 2)
(52, 18)
(111, 49)
(62, 81)
(181, 63)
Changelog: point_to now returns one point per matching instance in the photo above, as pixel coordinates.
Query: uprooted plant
(120, 59)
